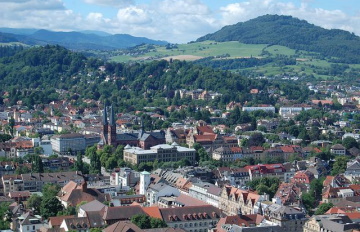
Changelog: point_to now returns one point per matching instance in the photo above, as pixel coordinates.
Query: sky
(176, 21)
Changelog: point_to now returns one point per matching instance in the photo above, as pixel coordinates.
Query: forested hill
(293, 33)
(75, 40)
(37, 74)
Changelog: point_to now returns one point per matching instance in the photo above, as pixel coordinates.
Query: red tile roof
(153, 211)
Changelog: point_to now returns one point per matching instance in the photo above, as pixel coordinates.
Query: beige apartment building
(161, 152)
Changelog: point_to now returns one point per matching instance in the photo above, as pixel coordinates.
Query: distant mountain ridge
(85, 40)
(293, 33)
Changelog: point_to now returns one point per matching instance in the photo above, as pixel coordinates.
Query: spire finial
(105, 121)
(112, 116)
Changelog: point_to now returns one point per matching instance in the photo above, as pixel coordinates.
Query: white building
(255, 108)
(206, 192)
(291, 111)
(159, 190)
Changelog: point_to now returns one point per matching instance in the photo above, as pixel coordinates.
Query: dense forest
(337, 45)
(37, 74)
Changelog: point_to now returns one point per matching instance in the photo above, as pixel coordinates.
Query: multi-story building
(265, 170)
(205, 192)
(191, 218)
(286, 217)
(12, 183)
(292, 111)
(232, 199)
(162, 153)
(68, 143)
(330, 223)
(34, 182)
(255, 108)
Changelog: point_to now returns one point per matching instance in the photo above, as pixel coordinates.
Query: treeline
(337, 45)
(10, 50)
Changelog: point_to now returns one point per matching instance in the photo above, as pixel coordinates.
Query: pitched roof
(122, 212)
(190, 213)
(56, 221)
(76, 196)
(94, 205)
(243, 220)
(152, 211)
(77, 223)
(122, 226)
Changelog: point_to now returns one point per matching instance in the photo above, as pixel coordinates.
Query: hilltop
(293, 33)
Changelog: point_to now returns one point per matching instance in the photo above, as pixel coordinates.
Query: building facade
(161, 153)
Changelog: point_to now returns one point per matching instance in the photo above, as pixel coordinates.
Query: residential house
(288, 218)
(205, 192)
(12, 183)
(34, 182)
(72, 194)
(333, 223)
(159, 190)
(288, 194)
(249, 220)
(338, 149)
(232, 199)
(335, 195)
(265, 170)
(176, 135)
(27, 222)
(304, 177)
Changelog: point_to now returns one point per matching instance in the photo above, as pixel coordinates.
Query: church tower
(105, 129)
(112, 128)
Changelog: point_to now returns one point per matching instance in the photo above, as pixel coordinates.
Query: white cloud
(171, 20)
(134, 15)
(188, 7)
(115, 3)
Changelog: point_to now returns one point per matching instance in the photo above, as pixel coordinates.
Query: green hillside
(339, 45)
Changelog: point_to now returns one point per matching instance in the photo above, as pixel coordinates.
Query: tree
(79, 164)
(308, 201)
(256, 139)
(4, 224)
(95, 164)
(50, 207)
(323, 208)
(70, 210)
(141, 220)
(350, 142)
(267, 185)
(339, 165)
(157, 223)
(145, 222)
(38, 150)
(50, 190)
(37, 165)
(119, 152)
(34, 202)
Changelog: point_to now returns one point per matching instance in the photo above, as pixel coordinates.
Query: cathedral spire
(112, 116)
(105, 121)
